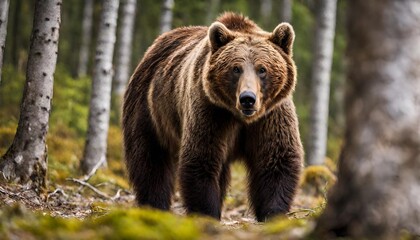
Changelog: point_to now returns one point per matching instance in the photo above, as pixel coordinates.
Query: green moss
(7, 134)
(118, 224)
(317, 180)
(283, 225)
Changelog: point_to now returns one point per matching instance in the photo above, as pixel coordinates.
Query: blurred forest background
(67, 195)
(81, 190)
(73, 82)
(69, 114)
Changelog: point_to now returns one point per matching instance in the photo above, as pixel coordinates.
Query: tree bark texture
(320, 80)
(96, 139)
(86, 37)
(4, 10)
(26, 159)
(378, 188)
(124, 48)
(286, 11)
(166, 16)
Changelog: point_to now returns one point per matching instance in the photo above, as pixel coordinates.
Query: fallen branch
(302, 210)
(85, 184)
(94, 169)
(58, 190)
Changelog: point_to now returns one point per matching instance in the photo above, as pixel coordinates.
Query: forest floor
(78, 208)
(103, 206)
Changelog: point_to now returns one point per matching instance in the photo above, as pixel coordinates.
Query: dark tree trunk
(15, 31)
(86, 37)
(214, 6)
(26, 159)
(378, 188)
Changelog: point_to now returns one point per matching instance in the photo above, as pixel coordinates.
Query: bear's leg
(224, 180)
(274, 160)
(199, 175)
(202, 155)
(149, 165)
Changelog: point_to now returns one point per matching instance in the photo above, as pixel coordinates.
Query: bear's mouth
(248, 112)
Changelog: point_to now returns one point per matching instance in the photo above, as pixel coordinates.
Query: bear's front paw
(266, 214)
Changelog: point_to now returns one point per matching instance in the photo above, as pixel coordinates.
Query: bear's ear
(219, 36)
(283, 36)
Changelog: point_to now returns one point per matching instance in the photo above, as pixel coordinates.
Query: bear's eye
(236, 70)
(262, 72)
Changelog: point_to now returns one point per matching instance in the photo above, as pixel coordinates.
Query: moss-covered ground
(104, 207)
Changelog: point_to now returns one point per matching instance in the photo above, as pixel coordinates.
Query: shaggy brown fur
(184, 112)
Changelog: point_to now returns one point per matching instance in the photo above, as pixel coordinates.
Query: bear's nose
(247, 99)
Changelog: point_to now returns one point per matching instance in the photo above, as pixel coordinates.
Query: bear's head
(250, 71)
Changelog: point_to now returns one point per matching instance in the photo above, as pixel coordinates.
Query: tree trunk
(26, 159)
(378, 188)
(124, 49)
(86, 37)
(265, 12)
(4, 10)
(214, 6)
(321, 71)
(96, 139)
(16, 44)
(286, 11)
(166, 16)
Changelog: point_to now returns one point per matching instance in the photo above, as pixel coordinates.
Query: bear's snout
(247, 100)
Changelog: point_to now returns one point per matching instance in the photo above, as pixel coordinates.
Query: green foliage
(117, 224)
(283, 225)
(11, 91)
(70, 101)
(68, 125)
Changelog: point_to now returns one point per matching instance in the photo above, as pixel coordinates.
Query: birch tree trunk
(96, 139)
(378, 188)
(124, 48)
(4, 10)
(26, 159)
(286, 11)
(86, 37)
(321, 72)
(265, 11)
(166, 16)
(213, 10)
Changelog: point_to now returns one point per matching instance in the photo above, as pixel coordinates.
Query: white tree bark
(4, 10)
(86, 38)
(96, 140)
(378, 188)
(321, 73)
(26, 159)
(286, 10)
(166, 16)
(124, 48)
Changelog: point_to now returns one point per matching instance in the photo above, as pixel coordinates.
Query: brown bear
(204, 96)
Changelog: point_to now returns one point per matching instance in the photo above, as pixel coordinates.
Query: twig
(83, 183)
(117, 195)
(94, 169)
(301, 210)
(58, 190)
